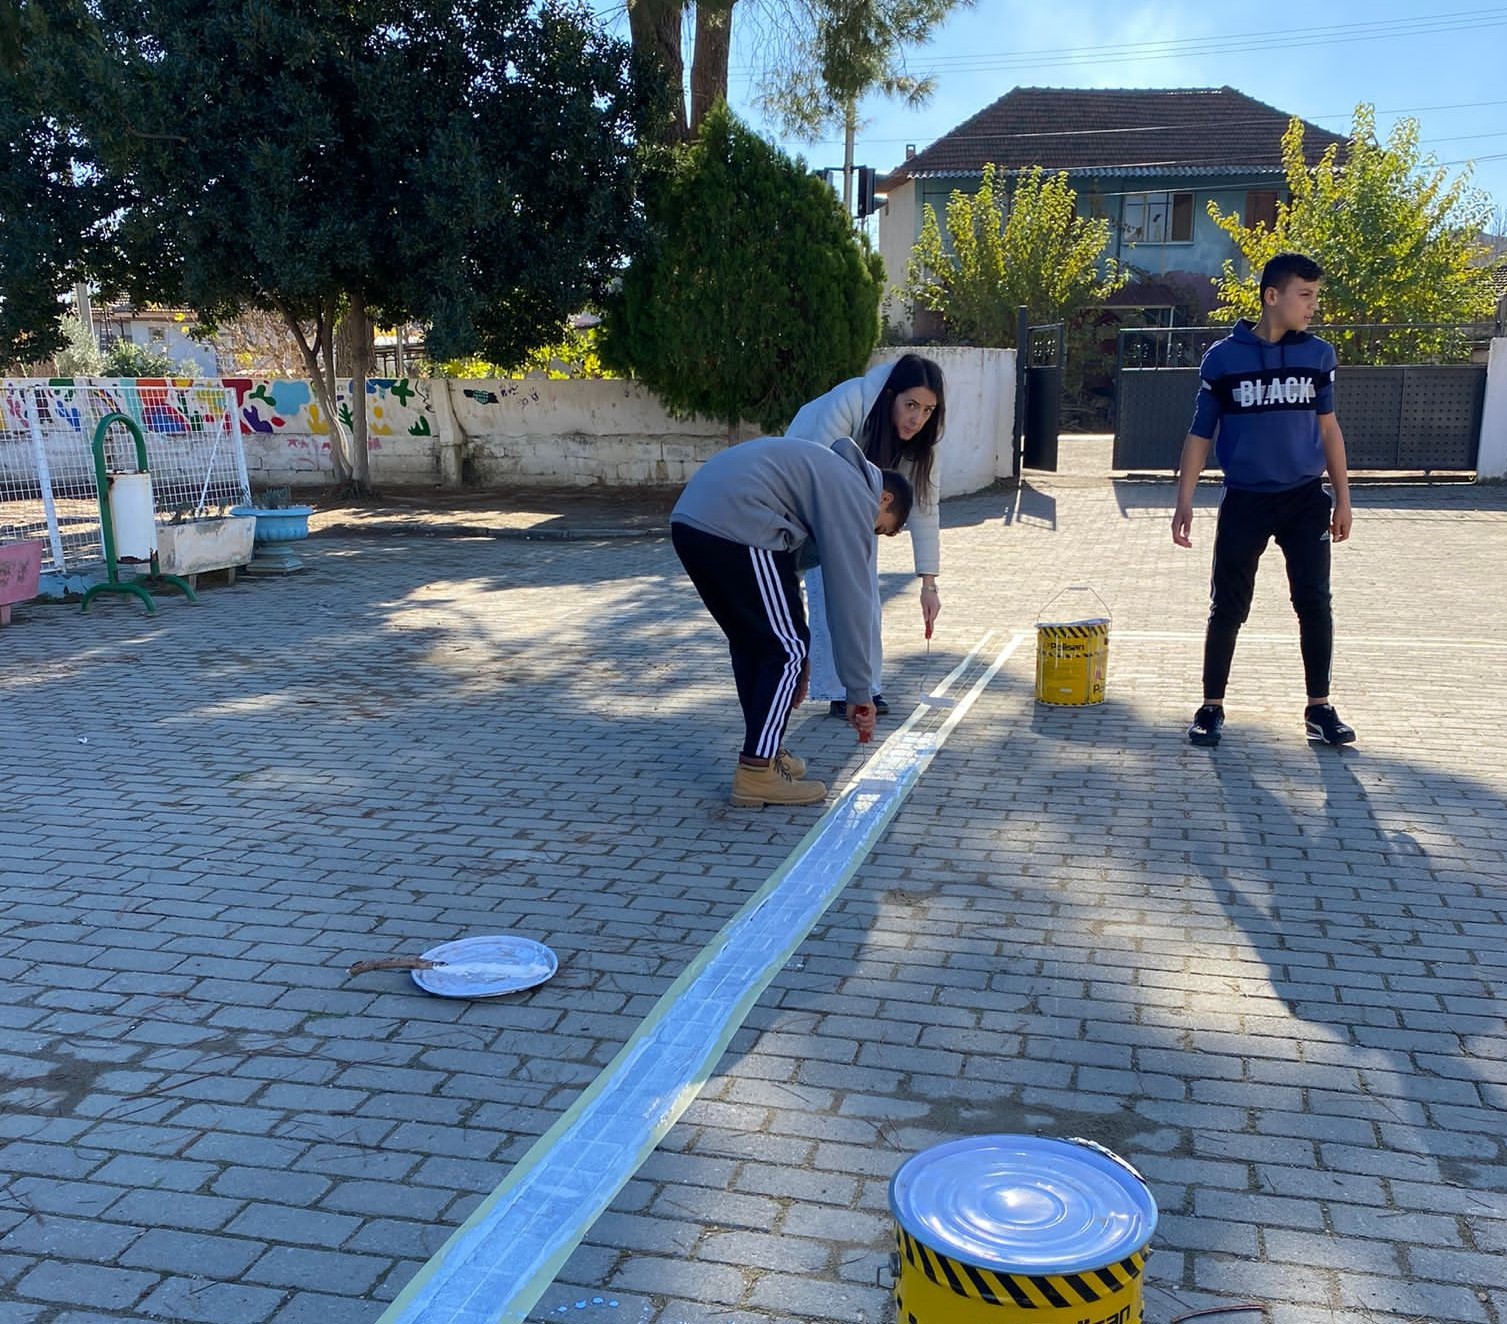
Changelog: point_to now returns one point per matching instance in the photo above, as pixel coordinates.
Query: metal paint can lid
(1024, 1204)
(486, 967)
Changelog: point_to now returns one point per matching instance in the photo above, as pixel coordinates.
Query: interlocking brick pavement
(1271, 976)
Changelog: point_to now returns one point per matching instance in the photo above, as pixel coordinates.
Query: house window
(159, 336)
(1158, 218)
(1261, 207)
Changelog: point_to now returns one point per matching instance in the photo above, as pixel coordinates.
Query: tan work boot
(795, 765)
(753, 788)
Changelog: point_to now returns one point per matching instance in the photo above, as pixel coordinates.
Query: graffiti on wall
(495, 392)
(280, 407)
(167, 407)
(287, 407)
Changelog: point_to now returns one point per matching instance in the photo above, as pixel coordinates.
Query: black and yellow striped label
(1074, 631)
(932, 1288)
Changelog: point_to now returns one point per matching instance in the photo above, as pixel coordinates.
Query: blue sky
(1445, 65)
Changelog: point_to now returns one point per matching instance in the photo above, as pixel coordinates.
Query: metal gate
(1405, 417)
(1038, 394)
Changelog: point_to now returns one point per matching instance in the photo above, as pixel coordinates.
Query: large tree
(857, 46)
(51, 193)
(813, 59)
(1031, 249)
(754, 294)
(467, 164)
(1399, 241)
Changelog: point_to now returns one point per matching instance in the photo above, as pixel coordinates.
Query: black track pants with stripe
(1299, 521)
(755, 596)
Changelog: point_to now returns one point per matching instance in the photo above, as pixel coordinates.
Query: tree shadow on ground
(1372, 932)
(420, 744)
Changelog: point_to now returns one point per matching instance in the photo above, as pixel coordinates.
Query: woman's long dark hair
(883, 446)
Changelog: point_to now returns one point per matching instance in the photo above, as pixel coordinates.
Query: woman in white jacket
(896, 413)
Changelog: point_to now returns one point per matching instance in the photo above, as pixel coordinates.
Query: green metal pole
(102, 482)
(107, 524)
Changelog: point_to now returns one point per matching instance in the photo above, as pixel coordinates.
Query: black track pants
(755, 596)
(1299, 521)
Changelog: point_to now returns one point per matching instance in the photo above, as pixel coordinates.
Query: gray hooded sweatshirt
(842, 412)
(786, 494)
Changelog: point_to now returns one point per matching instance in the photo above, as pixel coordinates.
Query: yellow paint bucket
(1072, 655)
(1007, 1229)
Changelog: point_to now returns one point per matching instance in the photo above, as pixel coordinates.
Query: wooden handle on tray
(394, 963)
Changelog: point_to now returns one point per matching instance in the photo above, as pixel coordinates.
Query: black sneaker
(880, 705)
(837, 708)
(1324, 725)
(1208, 721)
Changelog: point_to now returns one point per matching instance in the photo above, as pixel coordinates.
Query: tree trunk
(714, 31)
(329, 381)
(654, 27)
(355, 339)
(319, 364)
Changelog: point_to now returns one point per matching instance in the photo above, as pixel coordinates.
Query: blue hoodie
(1265, 400)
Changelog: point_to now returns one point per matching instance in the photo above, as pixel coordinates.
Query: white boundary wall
(580, 433)
(1491, 463)
(617, 434)
(975, 449)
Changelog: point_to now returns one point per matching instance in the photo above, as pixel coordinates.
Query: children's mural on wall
(287, 407)
(269, 408)
(169, 408)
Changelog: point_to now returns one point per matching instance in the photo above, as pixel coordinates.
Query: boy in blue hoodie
(1268, 392)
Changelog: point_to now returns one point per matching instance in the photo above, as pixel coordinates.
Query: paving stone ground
(1271, 976)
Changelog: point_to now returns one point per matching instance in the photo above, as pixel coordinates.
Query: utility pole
(82, 307)
(850, 131)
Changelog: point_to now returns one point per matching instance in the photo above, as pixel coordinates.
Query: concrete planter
(20, 575)
(205, 544)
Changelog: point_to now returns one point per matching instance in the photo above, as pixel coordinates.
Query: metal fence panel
(47, 482)
(1154, 408)
(1403, 418)
(1368, 403)
(1440, 424)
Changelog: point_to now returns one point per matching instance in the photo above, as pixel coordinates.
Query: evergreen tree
(51, 193)
(754, 295)
(853, 47)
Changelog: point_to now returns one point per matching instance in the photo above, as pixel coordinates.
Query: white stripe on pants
(778, 611)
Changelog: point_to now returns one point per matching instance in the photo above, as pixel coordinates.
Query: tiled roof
(1196, 130)
(124, 310)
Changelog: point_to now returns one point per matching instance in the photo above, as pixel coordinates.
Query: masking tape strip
(494, 1268)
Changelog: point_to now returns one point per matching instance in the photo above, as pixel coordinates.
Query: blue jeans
(824, 682)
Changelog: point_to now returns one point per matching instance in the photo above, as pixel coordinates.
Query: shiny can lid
(486, 967)
(1024, 1204)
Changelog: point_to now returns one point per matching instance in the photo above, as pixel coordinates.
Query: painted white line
(496, 1266)
(1341, 642)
